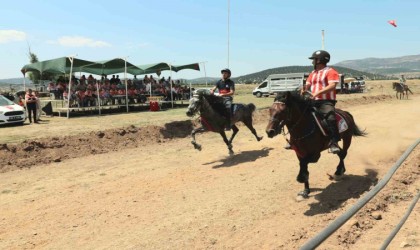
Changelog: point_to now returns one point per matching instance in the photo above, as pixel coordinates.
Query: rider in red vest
(322, 82)
(226, 89)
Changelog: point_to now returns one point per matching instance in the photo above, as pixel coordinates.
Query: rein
(294, 125)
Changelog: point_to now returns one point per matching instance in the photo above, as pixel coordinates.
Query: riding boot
(228, 119)
(335, 137)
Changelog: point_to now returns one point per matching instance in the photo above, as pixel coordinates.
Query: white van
(279, 83)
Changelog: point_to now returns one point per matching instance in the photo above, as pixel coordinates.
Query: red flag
(393, 23)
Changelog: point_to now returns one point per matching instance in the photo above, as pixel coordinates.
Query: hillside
(14, 81)
(260, 76)
(201, 80)
(408, 65)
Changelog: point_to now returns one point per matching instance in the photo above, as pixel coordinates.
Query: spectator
(91, 79)
(113, 80)
(30, 100)
(52, 89)
(60, 89)
(38, 106)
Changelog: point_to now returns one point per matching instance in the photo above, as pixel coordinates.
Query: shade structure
(158, 67)
(69, 65)
(107, 67)
(60, 65)
(349, 80)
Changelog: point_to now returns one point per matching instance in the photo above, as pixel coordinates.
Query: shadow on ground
(242, 157)
(334, 195)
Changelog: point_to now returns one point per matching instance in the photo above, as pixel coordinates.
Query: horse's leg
(197, 130)
(341, 169)
(235, 131)
(303, 177)
(229, 145)
(248, 124)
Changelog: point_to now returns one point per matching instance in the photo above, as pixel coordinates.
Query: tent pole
(150, 87)
(172, 96)
(99, 100)
(69, 93)
(205, 73)
(126, 88)
(24, 82)
(190, 90)
(24, 95)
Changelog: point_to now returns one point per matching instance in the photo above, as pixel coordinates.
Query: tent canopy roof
(56, 66)
(62, 66)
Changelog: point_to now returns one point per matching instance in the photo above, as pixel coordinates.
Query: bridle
(283, 122)
(197, 105)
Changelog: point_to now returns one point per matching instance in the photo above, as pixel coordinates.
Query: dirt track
(153, 190)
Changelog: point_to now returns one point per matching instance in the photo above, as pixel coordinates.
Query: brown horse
(306, 138)
(401, 89)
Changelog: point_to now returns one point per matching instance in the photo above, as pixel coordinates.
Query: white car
(10, 112)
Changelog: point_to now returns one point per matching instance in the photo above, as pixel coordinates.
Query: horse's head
(277, 115)
(194, 106)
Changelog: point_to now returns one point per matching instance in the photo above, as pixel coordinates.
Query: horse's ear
(288, 96)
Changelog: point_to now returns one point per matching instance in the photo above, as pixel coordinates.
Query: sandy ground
(162, 194)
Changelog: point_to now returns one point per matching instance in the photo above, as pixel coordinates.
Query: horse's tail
(251, 107)
(410, 91)
(356, 130)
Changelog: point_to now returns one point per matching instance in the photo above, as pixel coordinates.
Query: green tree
(33, 58)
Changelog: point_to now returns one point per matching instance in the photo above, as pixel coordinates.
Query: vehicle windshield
(263, 85)
(4, 101)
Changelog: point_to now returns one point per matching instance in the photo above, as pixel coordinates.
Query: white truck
(278, 83)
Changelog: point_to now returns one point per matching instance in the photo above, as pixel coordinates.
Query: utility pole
(228, 34)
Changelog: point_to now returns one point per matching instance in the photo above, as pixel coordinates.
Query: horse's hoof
(231, 152)
(335, 177)
(302, 195)
(197, 146)
(260, 138)
(300, 198)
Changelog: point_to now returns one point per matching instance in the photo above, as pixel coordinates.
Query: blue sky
(263, 34)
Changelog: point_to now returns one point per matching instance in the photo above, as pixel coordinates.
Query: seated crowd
(84, 91)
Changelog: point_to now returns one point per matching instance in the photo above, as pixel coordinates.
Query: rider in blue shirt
(226, 90)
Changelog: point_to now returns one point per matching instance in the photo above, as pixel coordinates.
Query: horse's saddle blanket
(322, 124)
(236, 106)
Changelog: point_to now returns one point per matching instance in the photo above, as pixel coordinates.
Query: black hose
(398, 227)
(337, 223)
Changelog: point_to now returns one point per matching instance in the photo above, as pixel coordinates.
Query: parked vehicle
(10, 112)
(351, 85)
(279, 83)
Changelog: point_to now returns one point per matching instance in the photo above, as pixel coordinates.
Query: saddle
(322, 122)
(235, 107)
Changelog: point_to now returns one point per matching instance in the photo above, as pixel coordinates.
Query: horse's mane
(216, 102)
(293, 98)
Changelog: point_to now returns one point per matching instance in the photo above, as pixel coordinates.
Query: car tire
(258, 94)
